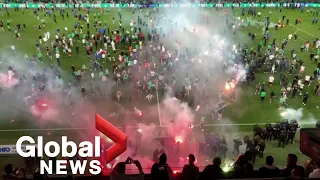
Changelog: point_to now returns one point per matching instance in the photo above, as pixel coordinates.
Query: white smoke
(298, 115)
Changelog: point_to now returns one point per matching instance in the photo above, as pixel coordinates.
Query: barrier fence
(201, 5)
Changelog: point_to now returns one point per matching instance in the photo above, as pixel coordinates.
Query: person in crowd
(213, 171)
(161, 170)
(269, 170)
(242, 167)
(292, 164)
(119, 171)
(13, 174)
(236, 146)
(190, 171)
(296, 173)
(38, 176)
(315, 166)
(250, 158)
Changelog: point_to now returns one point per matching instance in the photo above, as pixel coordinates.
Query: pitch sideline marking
(302, 30)
(206, 125)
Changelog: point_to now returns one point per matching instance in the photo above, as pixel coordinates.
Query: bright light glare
(227, 86)
(175, 172)
(178, 139)
(232, 85)
(226, 168)
(283, 113)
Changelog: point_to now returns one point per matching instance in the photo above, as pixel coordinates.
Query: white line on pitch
(206, 125)
(302, 30)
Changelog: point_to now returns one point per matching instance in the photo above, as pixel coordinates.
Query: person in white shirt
(13, 48)
(57, 55)
(302, 68)
(118, 95)
(271, 79)
(289, 37)
(315, 173)
(10, 74)
(294, 55)
(318, 44)
(301, 86)
(70, 41)
(45, 40)
(47, 35)
(285, 96)
(118, 172)
(149, 97)
(152, 73)
(307, 80)
(299, 82)
(113, 46)
(273, 68)
(104, 78)
(307, 46)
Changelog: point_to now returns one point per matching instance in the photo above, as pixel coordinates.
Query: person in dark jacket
(213, 171)
(269, 170)
(161, 170)
(292, 165)
(190, 171)
(242, 167)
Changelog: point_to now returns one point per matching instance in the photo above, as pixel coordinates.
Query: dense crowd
(242, 168)
(151, 1)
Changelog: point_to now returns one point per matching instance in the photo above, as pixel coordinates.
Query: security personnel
(282, 137)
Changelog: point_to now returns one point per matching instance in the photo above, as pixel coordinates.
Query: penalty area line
(303, 30)
(206, 125)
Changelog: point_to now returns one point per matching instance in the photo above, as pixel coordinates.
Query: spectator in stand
(242, 167)
(213, 171)
(250, 157)
(119, 171)
(190, 171)
(161, 170)
(291, 165)
(316, 172)
(269, 170)
(296, 173)
(38, 176)
(13, 174)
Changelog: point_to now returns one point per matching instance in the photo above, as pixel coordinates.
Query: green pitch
(244, 112)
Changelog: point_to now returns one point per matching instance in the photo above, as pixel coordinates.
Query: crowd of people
(135, 54)
(242, 168)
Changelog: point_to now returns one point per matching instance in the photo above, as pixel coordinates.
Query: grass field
(243, 113)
